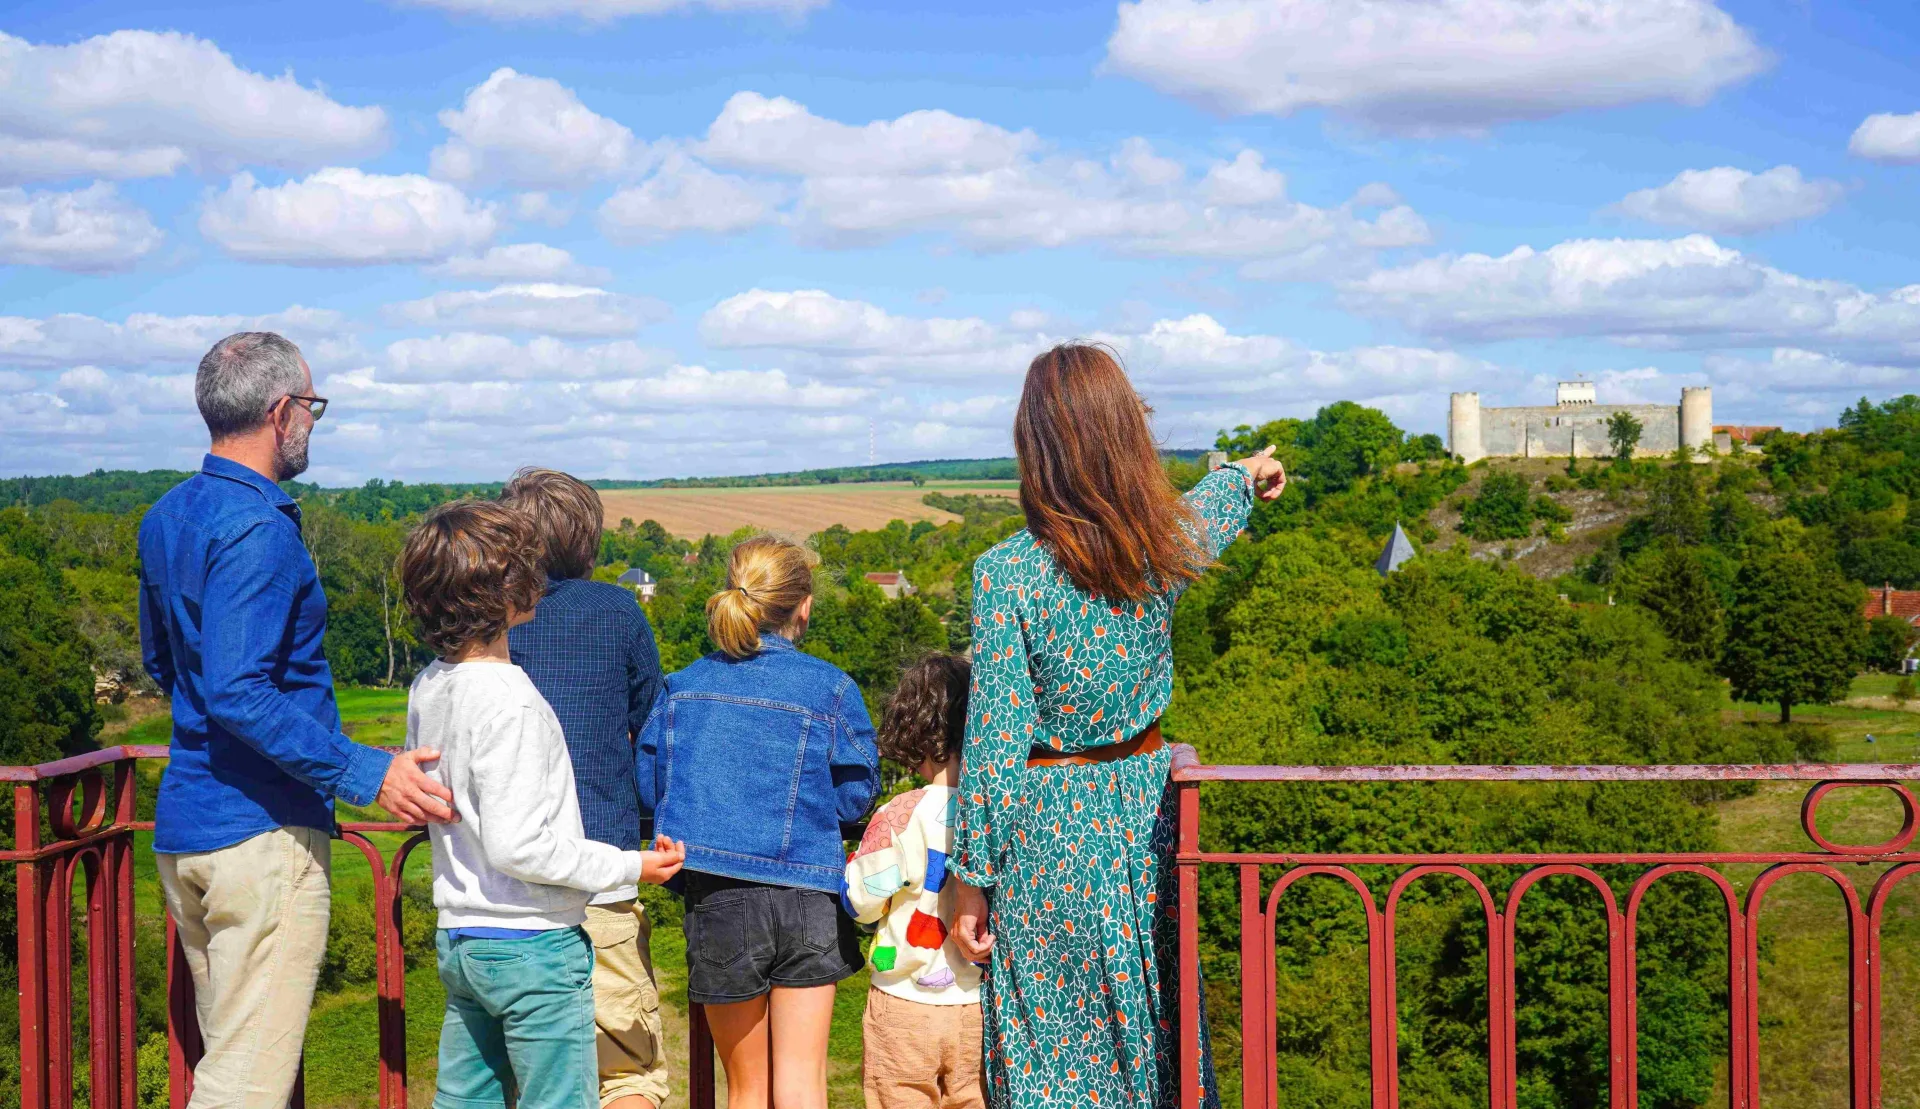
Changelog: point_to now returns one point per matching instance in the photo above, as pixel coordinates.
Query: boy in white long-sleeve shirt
(512, 879)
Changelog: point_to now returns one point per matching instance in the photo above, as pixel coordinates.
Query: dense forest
(1746, 571)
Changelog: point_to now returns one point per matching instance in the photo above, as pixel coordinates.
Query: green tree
(1623, 435)
(46, 671)
(1677, 508)
(1794, 634)
(1502, 510)
(1672, 583)
(1889, 639)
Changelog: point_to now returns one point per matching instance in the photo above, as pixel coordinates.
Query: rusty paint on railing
(88, 803)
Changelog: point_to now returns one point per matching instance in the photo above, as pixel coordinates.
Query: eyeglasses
(315, 405)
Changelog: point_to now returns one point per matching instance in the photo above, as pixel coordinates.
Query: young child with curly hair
(922, 1025)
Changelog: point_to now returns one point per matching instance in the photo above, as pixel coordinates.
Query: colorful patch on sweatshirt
(940, 979)
(936, 870)
(883, 957)
(889, 822)
(926, 931)
(884, 884)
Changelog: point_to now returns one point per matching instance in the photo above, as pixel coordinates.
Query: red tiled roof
(1745, 433)
(885, 577)
(1904, 603)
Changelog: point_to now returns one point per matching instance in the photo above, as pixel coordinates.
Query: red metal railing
(1259, 908)
(88, 807)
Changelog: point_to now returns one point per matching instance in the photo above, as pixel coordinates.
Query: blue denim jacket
(756, 762)
(231, 621)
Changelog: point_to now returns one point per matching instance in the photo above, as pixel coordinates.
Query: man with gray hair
(231, 621)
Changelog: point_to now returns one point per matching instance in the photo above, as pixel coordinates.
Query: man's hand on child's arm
(659, 865)
(970, 932)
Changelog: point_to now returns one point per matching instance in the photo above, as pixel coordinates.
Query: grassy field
(1803, 920)
(797, 510)
(1803, 974)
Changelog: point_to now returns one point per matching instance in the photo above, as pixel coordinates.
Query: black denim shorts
(744, 938)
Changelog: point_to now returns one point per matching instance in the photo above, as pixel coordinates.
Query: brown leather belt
(1145, 743)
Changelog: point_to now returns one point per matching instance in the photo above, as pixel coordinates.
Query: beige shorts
(921, 1056)
(626, 1004)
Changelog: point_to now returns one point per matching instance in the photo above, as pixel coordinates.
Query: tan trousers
(252, 919)
(921, 1056)
(626, 1003)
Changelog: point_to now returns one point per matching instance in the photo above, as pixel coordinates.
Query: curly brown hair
(926, 718)
(466, 568)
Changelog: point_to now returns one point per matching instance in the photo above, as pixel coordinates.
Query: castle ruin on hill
(1575, 425)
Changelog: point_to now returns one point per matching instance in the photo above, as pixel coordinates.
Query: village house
(893, 583)
(640, 582)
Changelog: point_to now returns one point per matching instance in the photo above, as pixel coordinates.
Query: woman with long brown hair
(1063, 837)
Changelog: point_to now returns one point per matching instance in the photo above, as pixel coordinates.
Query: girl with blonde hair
(754, 756)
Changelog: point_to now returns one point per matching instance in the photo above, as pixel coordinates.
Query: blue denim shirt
(231, 619)
(590, 653)
(756, 762)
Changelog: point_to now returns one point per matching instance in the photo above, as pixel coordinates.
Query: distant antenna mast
(869, 440)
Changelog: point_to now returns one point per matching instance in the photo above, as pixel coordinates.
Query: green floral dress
(1078, 856)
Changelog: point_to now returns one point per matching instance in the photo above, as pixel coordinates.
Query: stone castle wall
(1577, 427)
(1553, 431)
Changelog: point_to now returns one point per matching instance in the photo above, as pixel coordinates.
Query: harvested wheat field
(792, 510)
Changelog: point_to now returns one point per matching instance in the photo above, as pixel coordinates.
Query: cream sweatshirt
(518, 858)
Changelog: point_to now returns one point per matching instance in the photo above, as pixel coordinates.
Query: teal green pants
(520, 1018)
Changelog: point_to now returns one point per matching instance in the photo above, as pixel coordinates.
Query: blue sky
(637, 238)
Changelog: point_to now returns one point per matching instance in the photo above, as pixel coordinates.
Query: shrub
(1501, 511)
(1889, 638)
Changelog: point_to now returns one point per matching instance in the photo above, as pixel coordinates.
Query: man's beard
(292, 454)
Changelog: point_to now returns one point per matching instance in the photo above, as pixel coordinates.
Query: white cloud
(818, 322)
(540, 207)
(90, 230)
(1659, 292)
(1790, 370)
(343, 217)
(466, 356)
(1197, 356)
(1730, 201)
(606, 11)
(93, 391)
(682, 196)
(1885, 137)
(145, 338)
(144, 104)
(1432, 65)
(518, 262)
(777, 135)
(573, 310)
(699, 386)
(992, 189)
(531, 132)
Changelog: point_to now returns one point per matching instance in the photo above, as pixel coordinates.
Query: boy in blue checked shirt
(591, 654)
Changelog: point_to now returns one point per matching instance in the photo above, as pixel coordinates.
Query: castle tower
(1574, 392)
(1696, 417)
(1463, 427)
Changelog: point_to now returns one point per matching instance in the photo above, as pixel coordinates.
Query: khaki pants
(252, 919)
(921, 1056)
(626, 1003)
